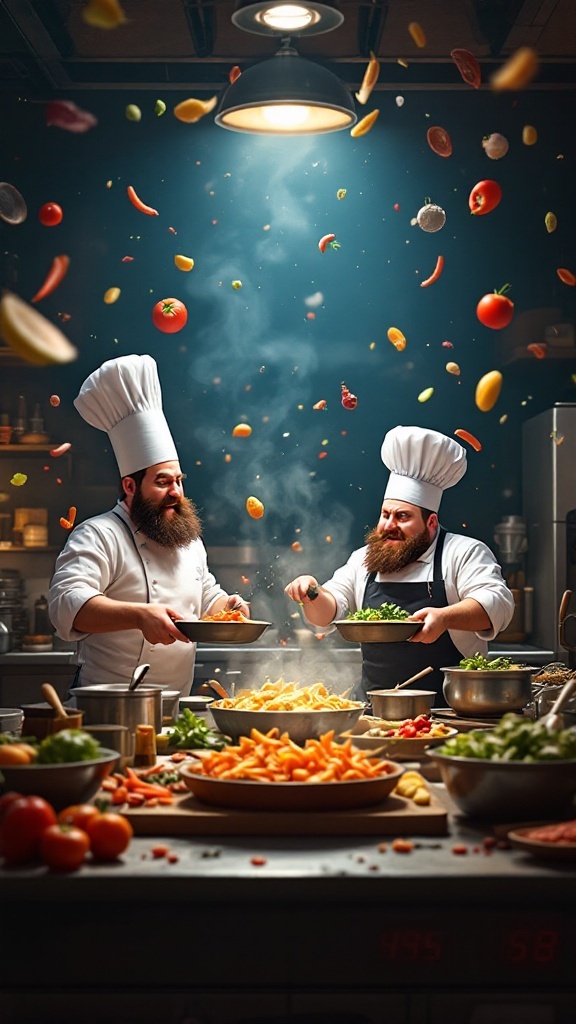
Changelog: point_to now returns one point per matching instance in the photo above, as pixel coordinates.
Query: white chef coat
(106, 556)
(469, 569)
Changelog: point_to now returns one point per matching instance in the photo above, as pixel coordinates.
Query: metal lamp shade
(280, 85)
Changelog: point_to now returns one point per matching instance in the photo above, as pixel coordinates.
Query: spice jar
(145, 746)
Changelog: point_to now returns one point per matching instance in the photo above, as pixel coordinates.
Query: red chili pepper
(436, 273)
(127, 259)
(137, 202)
(55, 275)
(328, 241)
(465, 435)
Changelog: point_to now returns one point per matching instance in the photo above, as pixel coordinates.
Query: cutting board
(396, 816)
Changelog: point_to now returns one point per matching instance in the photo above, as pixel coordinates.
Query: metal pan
(205, 632)
(377, 631)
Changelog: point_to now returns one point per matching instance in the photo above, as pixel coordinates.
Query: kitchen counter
(322, 924)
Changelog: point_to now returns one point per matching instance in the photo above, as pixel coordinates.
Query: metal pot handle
(562, 616)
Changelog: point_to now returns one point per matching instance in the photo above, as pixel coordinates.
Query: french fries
(269, 757)
(287, 696)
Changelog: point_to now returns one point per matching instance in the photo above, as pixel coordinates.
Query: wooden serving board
(396, 816)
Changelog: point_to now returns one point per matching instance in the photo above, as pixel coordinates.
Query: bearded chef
(125, 578)
(449, 582)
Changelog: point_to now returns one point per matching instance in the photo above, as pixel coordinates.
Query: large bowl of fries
(271, 773)
(303, 712)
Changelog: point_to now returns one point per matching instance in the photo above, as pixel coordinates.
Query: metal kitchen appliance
(549, 505)
(510, 536)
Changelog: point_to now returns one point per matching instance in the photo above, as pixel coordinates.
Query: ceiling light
(278, 18)
(286, 95)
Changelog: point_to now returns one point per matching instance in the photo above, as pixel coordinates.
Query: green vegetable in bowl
(481, 664)
(68, 745)
(386, 612)
(191, 732)
(515, 738)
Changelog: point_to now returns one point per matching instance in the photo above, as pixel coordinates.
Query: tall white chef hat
(123, 397)
(422, 464)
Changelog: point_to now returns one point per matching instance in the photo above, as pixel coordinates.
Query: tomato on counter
(22, 826)
(64, 847)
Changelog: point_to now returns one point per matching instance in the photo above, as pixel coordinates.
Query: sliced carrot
(464, 435)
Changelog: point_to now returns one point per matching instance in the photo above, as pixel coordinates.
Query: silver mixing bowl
(487, 692)
(300, 725)
(395, 705)
(74, 782)
(511, 791)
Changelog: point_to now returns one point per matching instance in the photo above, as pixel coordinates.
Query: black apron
(384, 665)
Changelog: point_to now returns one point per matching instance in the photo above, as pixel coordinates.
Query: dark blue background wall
(253, 209)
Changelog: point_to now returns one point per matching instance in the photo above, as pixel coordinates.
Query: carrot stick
(54, 276)
(137, 202)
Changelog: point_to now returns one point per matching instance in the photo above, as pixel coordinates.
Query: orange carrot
(464, 435)
(436, 273)
(55, 275)
(137, 202)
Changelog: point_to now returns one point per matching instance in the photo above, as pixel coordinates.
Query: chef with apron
(125, 577)
(450, 582)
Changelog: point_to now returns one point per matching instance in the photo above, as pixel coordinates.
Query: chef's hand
(303, 589)
(158, 625)
(237, 603)
(434, 625)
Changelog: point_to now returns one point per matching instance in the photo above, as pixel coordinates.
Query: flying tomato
(349, 401)
(50, 214)
(169, 316)
(495, 310)
(484, 197)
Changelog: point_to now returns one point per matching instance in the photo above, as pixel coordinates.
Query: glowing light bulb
(286, 115)
(287, 17)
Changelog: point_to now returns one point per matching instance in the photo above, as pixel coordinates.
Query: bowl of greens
(66, 767)
(384, 625)
(519, 771)
(482, 686)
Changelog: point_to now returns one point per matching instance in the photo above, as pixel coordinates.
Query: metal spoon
(424, 672)
(553, 720)
(137, 676)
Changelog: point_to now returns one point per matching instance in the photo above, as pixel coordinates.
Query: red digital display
(412, 945)
(530, 946)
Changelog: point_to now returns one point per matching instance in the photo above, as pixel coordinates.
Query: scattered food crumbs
(489, 842)
(382, 847)
(172, 858)
(460, 848)
(211, 851)
(402, 846)
(160, 851)
(258, 862)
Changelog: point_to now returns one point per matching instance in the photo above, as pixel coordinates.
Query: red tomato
(468, 67)
(169, 315)
(64, 847)
(77, 815)
(6, 801)
(109, 835)
(50, 214)
(495, 310)
(484, 197)
(22, 826)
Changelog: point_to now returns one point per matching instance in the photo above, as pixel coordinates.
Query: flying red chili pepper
(328, 241)
(127, 259)
(54, 276)
(137, 202)
(349, 401)
(435, 274)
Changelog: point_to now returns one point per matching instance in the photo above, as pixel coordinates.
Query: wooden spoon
(54, 700)
(424, 672)
(218, 688)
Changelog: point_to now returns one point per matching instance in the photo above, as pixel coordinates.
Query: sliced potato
(31, 335)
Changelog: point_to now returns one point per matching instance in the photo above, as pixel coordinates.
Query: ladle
(54, 701)
(553, 720)
(419, 675)
(137, 676)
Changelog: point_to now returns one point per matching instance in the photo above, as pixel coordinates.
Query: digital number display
(411, 945)
(530, 946)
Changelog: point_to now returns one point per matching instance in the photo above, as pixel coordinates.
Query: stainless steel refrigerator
(549, 508)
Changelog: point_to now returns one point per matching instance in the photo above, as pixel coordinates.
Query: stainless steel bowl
(395, 705)
(61, 784)
(206, 632)
(487, 692)
(509, 790)
(300, 725)
(377, 631)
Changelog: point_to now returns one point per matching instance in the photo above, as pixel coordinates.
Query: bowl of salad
(482, 686)
(384, 625)
(64, 768)
(518, 771)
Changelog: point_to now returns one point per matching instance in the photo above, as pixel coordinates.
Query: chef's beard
(387, 556)
(175, 531)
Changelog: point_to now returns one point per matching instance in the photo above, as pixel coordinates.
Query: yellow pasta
(288, 696)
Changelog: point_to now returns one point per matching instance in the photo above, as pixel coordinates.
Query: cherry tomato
(495, 310)
(109, 835)
(169, 315)
(6, 801)
(50, 214)
(22, 826)
(484, 197)
(77, 815)
(63, 847)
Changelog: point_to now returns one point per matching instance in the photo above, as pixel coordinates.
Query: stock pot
(115, 704)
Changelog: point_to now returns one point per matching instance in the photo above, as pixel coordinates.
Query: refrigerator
(549, 508)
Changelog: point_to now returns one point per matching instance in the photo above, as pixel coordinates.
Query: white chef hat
(422, 464)
(123, 397)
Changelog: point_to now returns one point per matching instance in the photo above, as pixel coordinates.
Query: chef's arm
(319, 605)
(104, 615)
(467, 615)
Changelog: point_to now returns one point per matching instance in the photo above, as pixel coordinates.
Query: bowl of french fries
(303, 712)
(270, 772)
